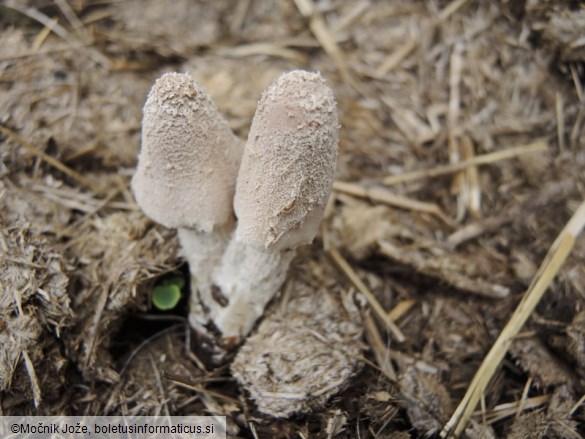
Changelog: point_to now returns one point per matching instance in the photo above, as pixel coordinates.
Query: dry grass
(461, 160)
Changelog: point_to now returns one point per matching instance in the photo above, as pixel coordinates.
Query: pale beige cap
(189, 157)
(288, 164)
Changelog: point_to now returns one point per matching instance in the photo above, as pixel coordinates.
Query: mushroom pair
(194, 174)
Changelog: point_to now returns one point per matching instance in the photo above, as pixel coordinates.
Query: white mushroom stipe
(203, 252)
(186, 176)
(283, 185)
(248, 278)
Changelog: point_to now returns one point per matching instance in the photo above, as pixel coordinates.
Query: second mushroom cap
(288, 164)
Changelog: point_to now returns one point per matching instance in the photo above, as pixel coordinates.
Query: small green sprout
(167, 293)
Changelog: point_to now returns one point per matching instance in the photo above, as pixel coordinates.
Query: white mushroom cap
(189, 157)
(288, 164)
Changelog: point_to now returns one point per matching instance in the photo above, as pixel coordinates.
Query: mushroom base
(247, 278)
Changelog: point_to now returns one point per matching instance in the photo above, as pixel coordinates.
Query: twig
(188, 384)
(239, 16)
(537, 146)
(471, 185)
(508, 409)
(350, 17)
(523, 398)
(383, 195)
(556, 256)
(269, 49)
(577, 404)
(577, 83)
(380, 350)
(47, 158)
(41, 18)
(92, 330)
(34, 381)
(551, 193)
(456, 63)
(42, 36)
(253, 430)
(323, 35)
(451, 8)
(395, 58)
(576, 130)
(159, 384)
(29, 53)
(559, 107)
(401, 308)
(59, 30)
(73, 19)
(435, 268)
(343, 265)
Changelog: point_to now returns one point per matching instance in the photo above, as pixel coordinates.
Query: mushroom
(186, 176)
(283, 185)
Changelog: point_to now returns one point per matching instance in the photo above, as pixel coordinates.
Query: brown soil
(448, 254)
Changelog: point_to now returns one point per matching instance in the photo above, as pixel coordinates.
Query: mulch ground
(461, 160)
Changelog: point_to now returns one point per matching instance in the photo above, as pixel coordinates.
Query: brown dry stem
(558, 253)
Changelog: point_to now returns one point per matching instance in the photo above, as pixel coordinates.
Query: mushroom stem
(283, 184)
(247, 277)
(203, 251)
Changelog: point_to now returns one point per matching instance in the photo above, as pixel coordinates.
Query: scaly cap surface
(288, 164)
(189, 157)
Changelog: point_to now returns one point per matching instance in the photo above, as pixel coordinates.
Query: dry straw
(556, 256)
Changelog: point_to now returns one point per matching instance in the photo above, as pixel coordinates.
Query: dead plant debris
(462, 157)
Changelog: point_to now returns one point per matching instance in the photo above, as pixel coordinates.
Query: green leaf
(166, 296)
